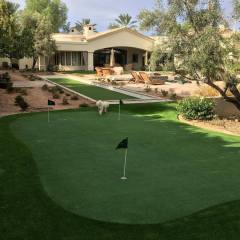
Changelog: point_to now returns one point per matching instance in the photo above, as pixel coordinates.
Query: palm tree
(123, 20)
(83, 22)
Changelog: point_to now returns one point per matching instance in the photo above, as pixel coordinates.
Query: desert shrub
(65, 101)
(31, 77)
(10, 88)
(20, 101)
(5, 81)
(148, 89)
(84, 104)
(60, 90)
(196, 108)
(5, 65)
(68, 94)
(55, 95)
(22, 91)
(173, 96)
(74, 97)
(164, 93)
(207, 91)
(156, 90)
(45, 87)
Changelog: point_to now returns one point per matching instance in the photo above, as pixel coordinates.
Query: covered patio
(126, 57)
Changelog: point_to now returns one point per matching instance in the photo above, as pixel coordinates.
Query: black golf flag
(51, 103)
(123, 144)
(121, 102)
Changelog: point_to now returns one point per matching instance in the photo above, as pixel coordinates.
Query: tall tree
(44, 45)
(38, 18)
(85, 21)
(10, 40)
(206, 52)
(55, 10)
(123, 20)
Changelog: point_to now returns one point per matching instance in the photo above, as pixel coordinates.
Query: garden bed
(226, 126)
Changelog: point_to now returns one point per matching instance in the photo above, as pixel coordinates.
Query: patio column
(146, 58)
(42, 63)
(90, 61)
(112, 58)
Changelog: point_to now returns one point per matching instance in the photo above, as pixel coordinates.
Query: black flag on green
(121, 102)
(123, 144)
(51, 103)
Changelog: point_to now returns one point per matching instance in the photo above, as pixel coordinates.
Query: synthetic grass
(94, 92)
(81, 72)
(27, 213)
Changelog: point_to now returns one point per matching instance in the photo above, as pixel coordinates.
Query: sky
(102, 12)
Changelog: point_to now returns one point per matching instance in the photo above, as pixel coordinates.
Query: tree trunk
(34, 63)
(233, 89)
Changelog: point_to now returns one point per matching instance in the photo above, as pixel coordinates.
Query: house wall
(123, 39)
(22, 62)
(4, 60)
(140, 53)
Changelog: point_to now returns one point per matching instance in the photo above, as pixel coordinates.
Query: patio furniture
(107, 72)
(153, 81)
(99, 71)
(118, 70)
(137, 78)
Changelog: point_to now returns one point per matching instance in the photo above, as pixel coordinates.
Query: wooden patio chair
(137, 78)
(107, 72)
(149, 80)
(99, 71)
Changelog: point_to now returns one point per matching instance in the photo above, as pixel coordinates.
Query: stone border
(210, 128)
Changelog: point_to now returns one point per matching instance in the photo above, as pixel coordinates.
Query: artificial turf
(26, 211)
(91, 91)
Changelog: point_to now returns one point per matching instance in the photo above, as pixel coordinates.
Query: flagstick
(124, 168)
(119, 112)
(48, 115)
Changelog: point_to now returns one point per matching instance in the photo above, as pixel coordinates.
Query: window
(71, 58)
(62, 58)
(135, 58)
(68, 58)
(76, 61)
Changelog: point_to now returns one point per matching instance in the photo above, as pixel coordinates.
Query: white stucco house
(85, 51)
(88, 50)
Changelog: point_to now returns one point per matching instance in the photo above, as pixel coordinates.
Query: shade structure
(112, 58)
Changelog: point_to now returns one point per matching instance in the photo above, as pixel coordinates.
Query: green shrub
(5, 81)
(74, 97)
(173, 96)
(56, 95)
(45, 87)
(20, 101)
(65, 101)
(10, 88)
(83, 105)
(196, 108)
(22, 91)
(164, 93)
(148, 89)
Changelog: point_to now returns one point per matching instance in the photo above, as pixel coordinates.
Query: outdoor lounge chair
(149, 80)
(99, 71)
(107, 72)
(137, 78)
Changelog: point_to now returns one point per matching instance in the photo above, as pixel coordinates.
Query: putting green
(91, 91)
(173, 170)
